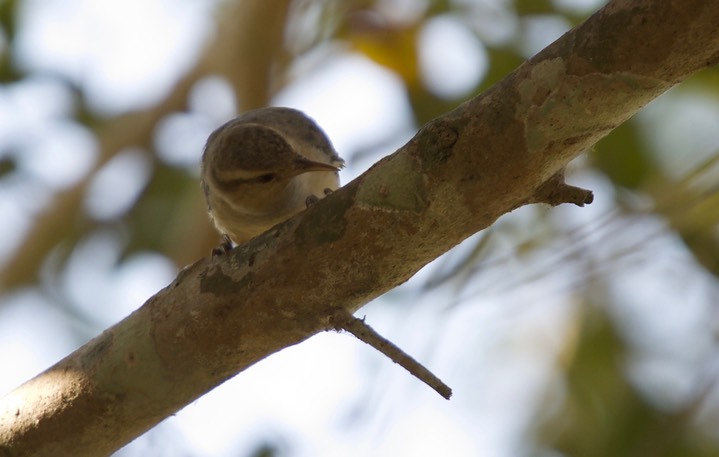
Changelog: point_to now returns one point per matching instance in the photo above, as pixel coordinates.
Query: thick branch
(456, 176)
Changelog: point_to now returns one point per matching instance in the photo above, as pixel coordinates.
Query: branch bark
(343, 320)
(461, 171)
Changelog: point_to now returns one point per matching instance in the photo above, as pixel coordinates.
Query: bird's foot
(224, 247)
(311, 200)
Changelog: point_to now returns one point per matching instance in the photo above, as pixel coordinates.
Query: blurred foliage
(8, 18)
(623, 158)
(7, 166)
(604, 414)
(601, 412)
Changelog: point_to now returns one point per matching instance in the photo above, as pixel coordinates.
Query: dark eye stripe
(265, 178)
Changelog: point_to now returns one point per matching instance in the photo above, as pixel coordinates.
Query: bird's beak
(302, 165)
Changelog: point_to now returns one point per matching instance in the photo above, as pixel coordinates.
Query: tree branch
(456, 176)
(343, 320)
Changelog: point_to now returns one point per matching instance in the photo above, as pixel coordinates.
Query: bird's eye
(266, 178)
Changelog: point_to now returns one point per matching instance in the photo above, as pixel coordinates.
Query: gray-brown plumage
(264, 167)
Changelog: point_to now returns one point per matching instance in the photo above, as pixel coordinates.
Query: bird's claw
(311, 200)
(224, 247)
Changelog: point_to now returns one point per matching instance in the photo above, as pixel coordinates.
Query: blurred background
(563, 332)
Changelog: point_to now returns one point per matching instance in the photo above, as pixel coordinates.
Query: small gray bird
(262, 168)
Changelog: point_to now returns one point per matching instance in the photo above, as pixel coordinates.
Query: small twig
(343, 320)
(555, 192)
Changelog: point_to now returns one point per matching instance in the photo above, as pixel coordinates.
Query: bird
(263, 167)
